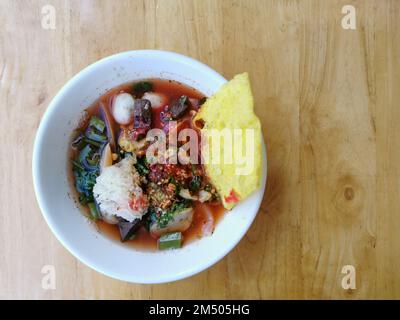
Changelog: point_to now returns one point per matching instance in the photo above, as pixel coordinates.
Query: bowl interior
(54, 193)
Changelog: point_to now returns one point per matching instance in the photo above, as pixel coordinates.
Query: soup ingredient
(185, 194)
(128, 229)
(118, 185)
(170, 241)
(195, 103)
(128, 143)
(142, 166)
(109, 218)
(160, 196)
(163, 173)
(177, 219)
(93, 134)
(195, 183)
(79, 142)
(202, 101)
(84, 182)
(94, 213)
(178, 107)
(157, 100)
(204, 196)
(106, 157)
(86, 164)
(142, 114)
(89, 158)
(110, 126)
(142, 87)
(118, 193)
(232, 108)
(97, 123)
(208, 223)
(123, 108)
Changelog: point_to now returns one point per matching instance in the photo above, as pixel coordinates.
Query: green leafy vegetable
(94, 159)
(84, 182)
(167, 216)
(93, 143)
(142, 166)
(94, 212)
(178, 187)
(92, 134)
(150, 217)
(195, 183)
(89, 158)
(97, 123)
(86, 164)
(142, 87)
(76, 165)
(85, 153)
(79, 142)
(181, 205)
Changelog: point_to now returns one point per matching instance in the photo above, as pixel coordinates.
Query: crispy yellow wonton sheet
(231, 143)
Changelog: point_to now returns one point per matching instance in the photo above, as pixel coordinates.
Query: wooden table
(328, 99)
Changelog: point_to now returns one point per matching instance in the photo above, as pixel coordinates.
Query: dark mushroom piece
(179, 107)
(142, 113)
(127, 229)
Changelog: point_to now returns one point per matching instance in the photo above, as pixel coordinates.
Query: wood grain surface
(328, 99)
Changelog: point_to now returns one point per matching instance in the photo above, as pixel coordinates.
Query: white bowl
(53, 189)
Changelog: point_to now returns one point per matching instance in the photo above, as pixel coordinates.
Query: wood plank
(328, 100)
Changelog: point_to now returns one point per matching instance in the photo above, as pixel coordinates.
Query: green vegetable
(79, 142)
(97, 123)
(195, 183)
(94, 213)
(77, 166)
(142, 166)
(85, 153)
(94, 160)
(142, 87)
(89, 159)
(180, 206)
(84, 182)
(167, 216)
(86, 165)
(164, 218)
(92, 134)
(170, 241)
(92, 143)
(178, 187)
(150, 217)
